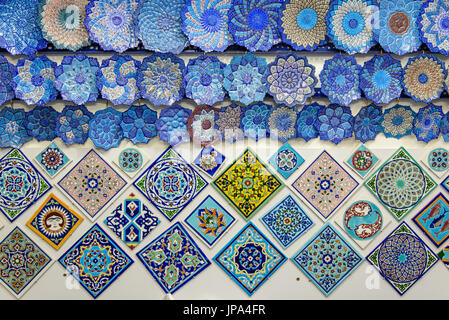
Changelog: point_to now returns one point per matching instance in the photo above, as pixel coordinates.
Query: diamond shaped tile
(173, 258)
(54, 221)
(52, 160)
(433, 219)
(21, 184)
(170, 183)
(131, 220)
(209, 160)
(209, 221)
(247, 184)
(286, 160)
(362, 161)
(437, 160)
(287, 221)
(400, 184)
(22, 262)
(325, 184)
(327, 259)
(402, 258)
(96, 261)
(130, 161)
(92, 184)
(250, 259)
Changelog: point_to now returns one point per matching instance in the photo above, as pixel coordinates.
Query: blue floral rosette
(35, 80)
(139, 124)
(227, 121)
(159, 25)
(205, 22)
(291, 79)
(244, 78)
(254, 23)
(7, 73)
(72, 124)
(397, 31)
(335, 123)
(426, 126)
(62, 23)
(117, 79)
(203, 80)
(281, 123)
(111, 23)
(41, 123)
(254, 121)
(368, 123)
(105, 130)
(13, 133)
(76, 78)
(305, 124)
(303, 23)
(424, 78)
(160, 79)
(381, 79)
(433, 25)
(19, 28)
(340, 79)
(397, 121)
(350, 24)
(172, 125)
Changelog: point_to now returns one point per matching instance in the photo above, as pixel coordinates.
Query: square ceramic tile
(433, 219)
(400, 184)
(131, 220)
(402, 258)
(444, 256)
(22, 262)
(325, 185)
(96, 261)
(92, 184)
(170, 183)
(247, 184)
(209, 161)
(437, 161)
(287, 221)
(173, 258)
(362, 220)
(327, 259)
(130, 161)
(52, 160)
(250, 259)
(286, 160)
(445, 184)
(54, 221)
(209, 221)
(21, 184)
(362, 161)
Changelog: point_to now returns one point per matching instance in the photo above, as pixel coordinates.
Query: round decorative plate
(433, 24)
(130, 160)
(438, 159)
(303, 23)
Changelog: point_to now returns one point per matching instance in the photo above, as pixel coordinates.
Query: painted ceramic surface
(362, 161)
(54, 221)
(325, 184)
(247, 184)
(173, 258)
(250, 259)
(286, 160)
(170, 183)
(209, 221)
(327, 259)
(287, 221)
(92, 184)
(22, 262)
(96, 261)
(20, 184)
(209, 160)
(400, 184)
(402, 258)
(131, 221)
(433, 220)
(52, 159)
